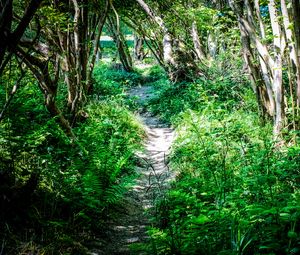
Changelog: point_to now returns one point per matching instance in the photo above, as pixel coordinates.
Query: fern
(116, 192)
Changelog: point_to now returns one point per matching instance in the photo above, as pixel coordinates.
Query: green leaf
(201, 219)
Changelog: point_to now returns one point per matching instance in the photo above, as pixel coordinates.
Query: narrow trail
(128, 232)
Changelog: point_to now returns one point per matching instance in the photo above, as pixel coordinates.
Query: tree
(66, 46)
(267, 76)
(113, 24)
(10, 37)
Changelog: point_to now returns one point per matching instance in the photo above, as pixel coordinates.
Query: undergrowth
(57, 193)
(228, 89)
(235, 191)
(110, 80)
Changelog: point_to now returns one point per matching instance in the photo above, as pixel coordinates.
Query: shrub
(57, 189)
(233, 194)
(109, 81)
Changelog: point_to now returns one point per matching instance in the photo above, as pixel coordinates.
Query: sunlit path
(128, 233)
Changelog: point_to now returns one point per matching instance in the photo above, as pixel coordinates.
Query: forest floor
(127, 234)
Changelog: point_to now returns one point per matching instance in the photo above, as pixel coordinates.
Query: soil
(128, 233)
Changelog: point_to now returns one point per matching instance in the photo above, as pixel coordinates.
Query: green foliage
(109, 48)
(111, 81)
(235, 191)
(108, 142)
(58, 188)
(223, 88)
(155, 74)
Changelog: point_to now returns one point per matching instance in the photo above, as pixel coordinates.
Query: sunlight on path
(129, 231)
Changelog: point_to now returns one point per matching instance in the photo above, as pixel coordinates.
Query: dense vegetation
(236, 191)
(60, 189)
(225, 76)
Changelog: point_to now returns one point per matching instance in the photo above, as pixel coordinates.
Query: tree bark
(95, 49)
(76, 93)
(139, 52)
(167, 38)
(277, 69)
(264, 99)
(258, 16)
(121, 44)
(48, 86)
(263, 65)
(296, 23)
(293, 55)
(5, 26)
(247, 29)
(9, 40)
(197, 44)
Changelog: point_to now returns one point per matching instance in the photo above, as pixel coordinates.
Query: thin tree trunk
(258, 15)
(6, 17)
(197, 44)
(296, 26)
(264, 69)
(294, 61)
(77, 90)
(156, 53)
(10, 40)
(96, 48)
(47, 86)
(263, 98)
(268, 85)
(262, 49)
(167, 38)
(261, 76)
(138, 52)
(296, 23)
(152, 41)
(122, 47)
(277, 70)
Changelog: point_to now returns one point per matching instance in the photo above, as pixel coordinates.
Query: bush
(109, 81)
(59, 190)
(234, 193)
(223, 86)
(177, 98)
(108, 141)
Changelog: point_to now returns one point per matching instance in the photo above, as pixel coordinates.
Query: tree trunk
(95, 50)
(258, 16)
(48, 86)
(270, 103)
(261, 77)
(277, 69)
(296, 23)
(264, 100)
(197, 44)
(121, 44)
(10, 40)
(294, 61)
(5, 26)
(264, 69)
(152, 41)
(139, 52)
(76, 85)
(167, 38)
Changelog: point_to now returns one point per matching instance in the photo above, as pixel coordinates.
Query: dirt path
(128, 233)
